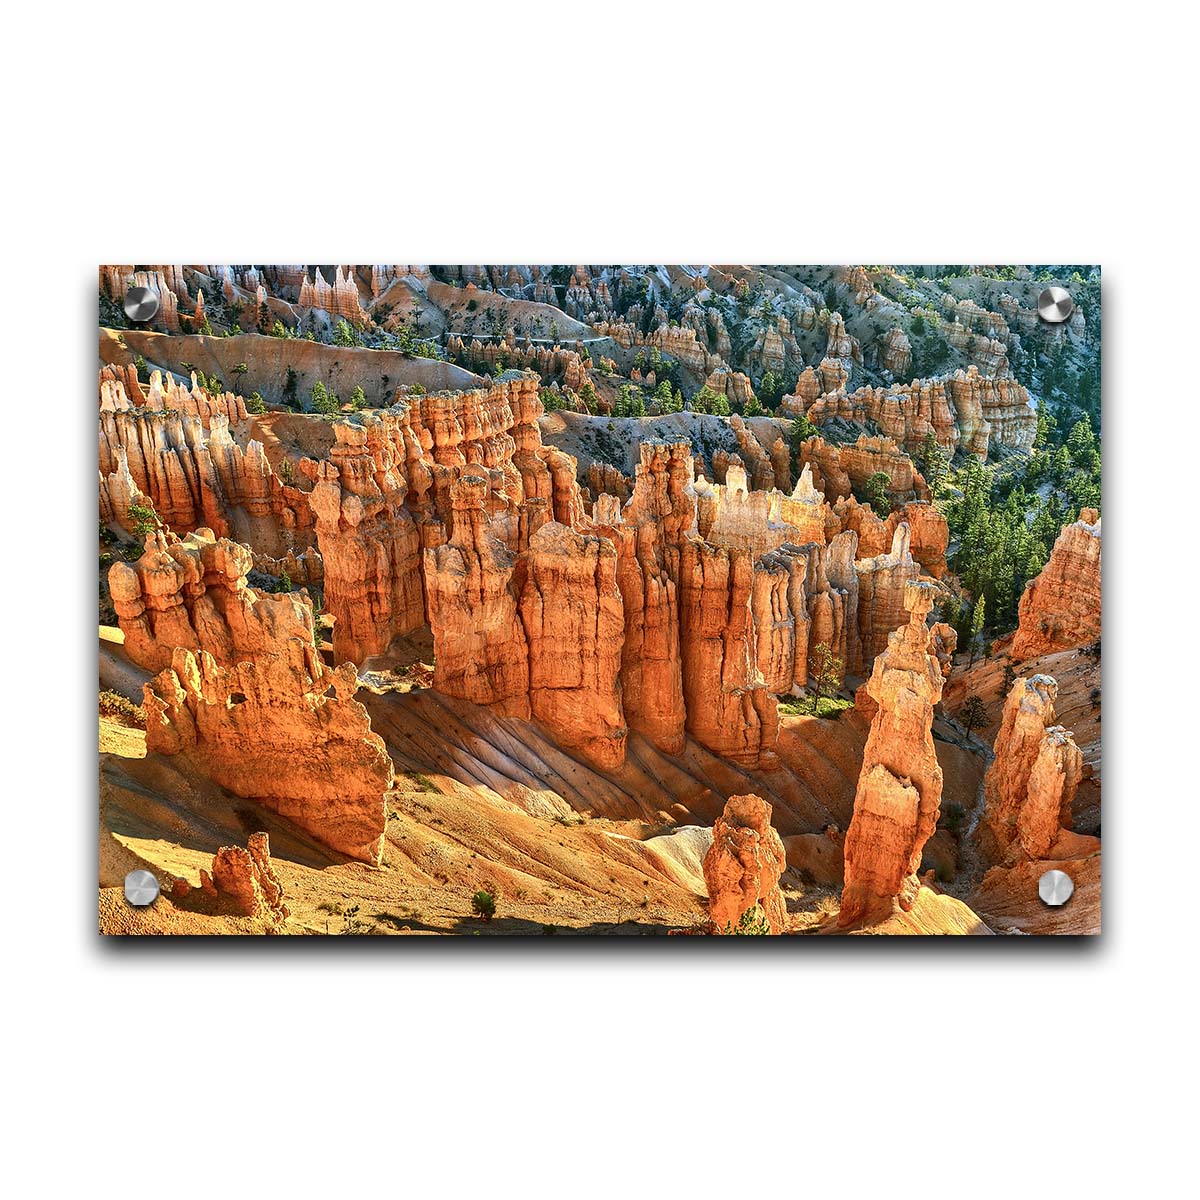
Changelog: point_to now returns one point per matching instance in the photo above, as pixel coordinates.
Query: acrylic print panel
(624, 599)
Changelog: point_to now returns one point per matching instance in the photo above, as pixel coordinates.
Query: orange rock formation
(900, 786)
(283, 730)
(743, 865)
(192, 592)
(1060, 609)
(1033, 778)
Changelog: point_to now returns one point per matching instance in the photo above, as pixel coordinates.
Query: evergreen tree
(878, 493)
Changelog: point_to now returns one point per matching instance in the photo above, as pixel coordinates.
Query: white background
(746, 132)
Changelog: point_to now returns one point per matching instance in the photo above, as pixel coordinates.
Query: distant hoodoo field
(599, 600)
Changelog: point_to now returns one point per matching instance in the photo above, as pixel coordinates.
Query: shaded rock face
(186, 460)
(743, 865)
(929, 535)
(283, 730)
(1033, 779)
(900, 787)
(1060, 609)
(883, 597)
(192, 592)
(370, 545)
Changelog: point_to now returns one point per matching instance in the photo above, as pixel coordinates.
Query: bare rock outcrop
(244, 881)
(900, 787)
(729, 709)
(1060, 609)
(480, 650)
(574, 623)
(1032, 781)
(883, 596)
(281, 729)
(370, 546)
(743, 865)
(192, 592)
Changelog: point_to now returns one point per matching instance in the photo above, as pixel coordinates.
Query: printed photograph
(609, 600)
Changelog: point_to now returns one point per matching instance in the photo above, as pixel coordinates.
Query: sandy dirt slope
(1008, 898)
(377, 372)
(453, 301)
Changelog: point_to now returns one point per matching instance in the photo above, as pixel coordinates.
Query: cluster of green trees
(630, 401)
(653, 359)
(709, 400)
(324, 400)
(1006, 522)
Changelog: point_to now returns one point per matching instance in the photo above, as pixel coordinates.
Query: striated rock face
(836, 469)
(480, 650)
(1060, 609)
(339, 299)
(192, 592)
(743, 865)
(966, 410)
(1033, 779)
(729, 709)
(245, 881)
(574, 623)
(647, 536)
(283, 730)
(370, 546)
(895, 352)
(900, 788)
(929, 535)
(883, 596)
(187, 462)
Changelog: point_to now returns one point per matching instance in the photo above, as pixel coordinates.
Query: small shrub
(118, 708)
(145, 520)
(483, 904)
(752, 923)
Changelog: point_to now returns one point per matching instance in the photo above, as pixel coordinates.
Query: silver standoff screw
(1055, 305)
(1055, 888)
(141, 888)
(141, 304)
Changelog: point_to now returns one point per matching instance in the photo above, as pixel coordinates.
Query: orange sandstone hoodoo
(743, 865)
(900, 786)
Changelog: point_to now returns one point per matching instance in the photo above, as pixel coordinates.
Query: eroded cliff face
(370, 545)
(966, 410)
(900, 787)
(729, 709)
(186, 460)
(1032, 781)
(192, 592)
(681, 609)
(282, 729)
(480, 650)
(743, 865)
(1060, 609)
(574, 621)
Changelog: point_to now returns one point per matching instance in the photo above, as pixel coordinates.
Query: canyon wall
(281, 729)
(1060, 609)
